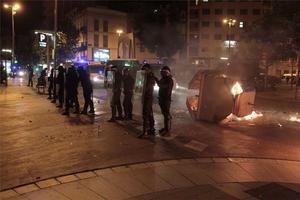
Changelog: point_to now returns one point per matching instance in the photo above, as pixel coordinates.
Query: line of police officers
(63, 87)
(67, 82)
(165, 85)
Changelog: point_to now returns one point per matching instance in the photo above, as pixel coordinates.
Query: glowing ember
(236, 89)
(253, 115)
(233, 117)
(294, 119)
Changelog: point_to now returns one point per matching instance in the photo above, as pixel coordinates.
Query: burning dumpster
(218, 97)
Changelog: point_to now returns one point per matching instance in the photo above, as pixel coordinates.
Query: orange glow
(236, 89)
(294, 119)
(253, 115)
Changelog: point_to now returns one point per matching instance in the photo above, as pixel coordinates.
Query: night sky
(36, 14)
(28, 18)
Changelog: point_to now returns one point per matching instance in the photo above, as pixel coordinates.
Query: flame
(233, 117)
(236, 89)
(253, 115)
(294, 119)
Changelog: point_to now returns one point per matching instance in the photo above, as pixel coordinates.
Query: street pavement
(37, 143)
(202, 178)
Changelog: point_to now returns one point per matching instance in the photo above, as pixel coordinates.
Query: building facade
(100, 30)
(105, 34)
(214, 27)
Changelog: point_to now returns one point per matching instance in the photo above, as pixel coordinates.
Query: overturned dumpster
(219, 96)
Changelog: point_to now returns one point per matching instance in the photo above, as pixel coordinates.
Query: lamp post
(14, 7)
(230, 23)
(119, 32)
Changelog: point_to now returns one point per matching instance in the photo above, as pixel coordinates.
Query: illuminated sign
(100, 55)
(42, 40)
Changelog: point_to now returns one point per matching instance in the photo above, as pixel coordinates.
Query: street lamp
(119, 32)
(14, 7)
(230, 23)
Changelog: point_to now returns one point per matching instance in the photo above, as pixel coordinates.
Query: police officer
(165, 85)
(30, 76)
(115, 103)
(51, 82)
(147, 101)
(87, 88)
(42, 78)
(71, 90)
(55, 73)
(60, 81)
(128, 86)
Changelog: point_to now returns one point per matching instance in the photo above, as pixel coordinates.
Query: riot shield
(139, 82)
(110, 78)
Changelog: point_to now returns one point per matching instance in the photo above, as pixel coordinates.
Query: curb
(45, 183)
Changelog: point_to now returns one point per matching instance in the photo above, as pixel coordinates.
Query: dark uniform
(115, 103)
(30, 76)
(71, 90)
(3, 75)
(42, 78)
(60, 80)
(51, 83)
(128, 86)
(165, 85)
(87, 88)
(147, 101)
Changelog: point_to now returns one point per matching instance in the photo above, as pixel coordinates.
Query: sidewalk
(37, 142)
(203, 178)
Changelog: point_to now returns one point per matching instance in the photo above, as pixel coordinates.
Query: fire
(253, 115)
(294, 119)
(236, 89)
(233, 117)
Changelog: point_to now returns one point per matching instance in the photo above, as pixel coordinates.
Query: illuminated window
(241, 25)
(230, 43)
(194, 38)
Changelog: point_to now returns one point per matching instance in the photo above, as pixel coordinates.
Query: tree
(157, 26)
(67, 39)
(245, 62)
(25, 49)
(277, 33)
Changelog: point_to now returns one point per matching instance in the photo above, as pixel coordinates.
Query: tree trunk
(297, 77)
(266, 76)
(292, 66)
